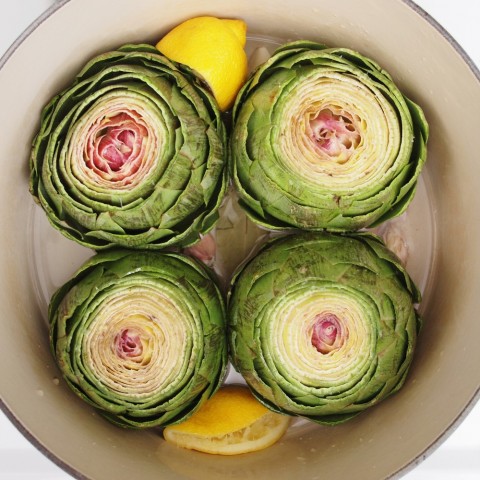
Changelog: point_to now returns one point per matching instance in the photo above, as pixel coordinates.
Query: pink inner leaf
(115, 145)
(334, 134)
(327, 333)
(128, 344)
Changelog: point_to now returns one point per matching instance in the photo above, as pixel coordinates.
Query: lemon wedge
(214, 48)
(230, 423)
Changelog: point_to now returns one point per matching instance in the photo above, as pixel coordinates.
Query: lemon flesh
(232, 422)
(214, 48)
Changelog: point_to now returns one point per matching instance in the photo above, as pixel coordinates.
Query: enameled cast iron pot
(445, 227)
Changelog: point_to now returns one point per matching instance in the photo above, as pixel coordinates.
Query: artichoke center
(116, 142)
(128, 344)
(334, 133)
(327, 334)
(116, 147)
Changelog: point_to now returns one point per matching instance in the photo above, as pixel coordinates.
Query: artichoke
(323, 325)
(140, 335)
(131, 154)
(323, 139)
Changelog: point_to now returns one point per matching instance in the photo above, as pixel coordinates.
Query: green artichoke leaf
(323, 325)
(132, 153)
(140, 336)
(323, 139)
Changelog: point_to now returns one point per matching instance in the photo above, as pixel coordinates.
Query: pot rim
(435, 443)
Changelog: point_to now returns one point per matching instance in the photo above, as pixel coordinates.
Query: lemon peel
(214, 48)
(231, 422)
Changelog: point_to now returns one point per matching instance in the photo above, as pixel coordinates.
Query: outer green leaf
(282, 179)
(288, 289)
(166, 309)
(173, 191)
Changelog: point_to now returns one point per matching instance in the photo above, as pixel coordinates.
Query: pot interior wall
(374, 445)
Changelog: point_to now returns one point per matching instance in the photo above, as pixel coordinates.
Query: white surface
(457, 459)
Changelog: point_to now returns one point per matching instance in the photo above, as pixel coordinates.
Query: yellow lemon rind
(214, 49)
(261, 434)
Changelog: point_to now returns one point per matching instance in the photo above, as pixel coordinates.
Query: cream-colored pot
(443, 230)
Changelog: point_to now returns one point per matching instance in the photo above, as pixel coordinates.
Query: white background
(457, 459)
